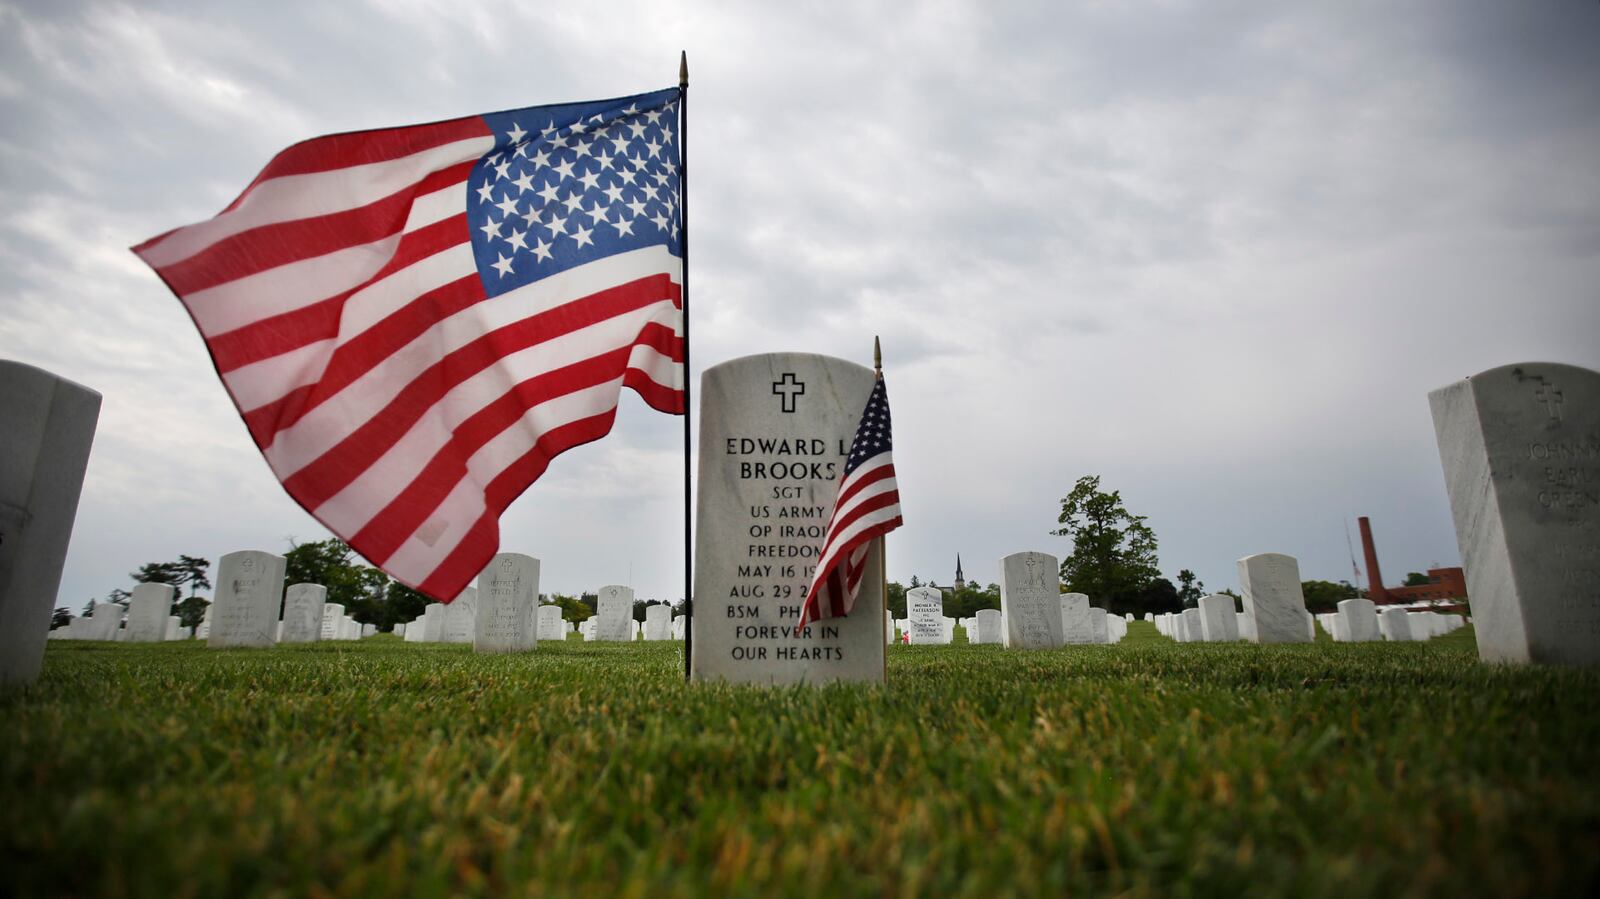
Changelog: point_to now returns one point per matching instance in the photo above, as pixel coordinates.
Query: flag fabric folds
(867, 507)
(414, 321)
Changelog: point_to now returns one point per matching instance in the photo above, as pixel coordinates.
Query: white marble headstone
(1030, 600)
(925, 616)
(658, 622)
(1520, 447)
(302, 613)
(1272, 598)
(148, 609)
(249, 592)
(1395, 625)
(1217, 621)
(1075, 624)
(775, 431)
(988, 626)
(459, 620)
(614, 614)
(507, 601)
(1099, 626)
(1360, 620)
(332, 618)
(47, 424)
(551, 625)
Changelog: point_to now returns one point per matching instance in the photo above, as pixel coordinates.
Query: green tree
(895, 600)
(61, 617)
(359, 588)
(1324, 596)
(572, 608)
(1190, 588)
(1417, 579)
(401, 603)
(1113, 557)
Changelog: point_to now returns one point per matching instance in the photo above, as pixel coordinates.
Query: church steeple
(961, 580)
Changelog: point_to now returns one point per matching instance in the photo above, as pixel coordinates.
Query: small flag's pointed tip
(877, 354)
(683, 68)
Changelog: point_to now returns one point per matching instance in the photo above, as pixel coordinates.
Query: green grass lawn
(1148, 768)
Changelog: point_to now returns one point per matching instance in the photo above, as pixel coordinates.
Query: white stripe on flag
(285, 288)
(294, 197)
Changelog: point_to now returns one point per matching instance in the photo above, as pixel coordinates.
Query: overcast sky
(1216, 253)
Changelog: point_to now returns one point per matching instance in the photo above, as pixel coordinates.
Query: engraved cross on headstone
(789, 387)
(1551, 397)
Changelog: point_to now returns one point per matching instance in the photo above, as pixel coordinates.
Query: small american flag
(414, 321)
(867, 507)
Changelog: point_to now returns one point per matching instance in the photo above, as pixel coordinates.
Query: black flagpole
(688, 373)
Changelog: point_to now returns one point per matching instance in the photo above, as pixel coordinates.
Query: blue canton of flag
(566, 185)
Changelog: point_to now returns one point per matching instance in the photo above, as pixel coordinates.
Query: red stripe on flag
(479, 545)
(337, 151)
(269, 246)
(335, 469)
(292, 330)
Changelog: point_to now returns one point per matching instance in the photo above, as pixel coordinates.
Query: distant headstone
(332, 621)
(1247, 627)
(1099, 625)
(1272, 598)
(614, 614)
(368, 630)
(203, 632)
(658, 622)
(988, 626)
(302, 613)
(460, 621)
(507, 601)
(148, 609)
(433, 623)
(46, 427)
(925, 616)
(1396, 625)
(775, 431)
(1217, 621)
(1030, 601)
(174, 628)
(1520, 447)
(1193, 626)
(1075, 624)
(587, 628)
(1360, 620)
(400, 629)
(249, 592)
(888, 626)
(551, 625)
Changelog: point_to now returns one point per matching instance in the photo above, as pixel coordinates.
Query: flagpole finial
(683, 68)
(877, 354)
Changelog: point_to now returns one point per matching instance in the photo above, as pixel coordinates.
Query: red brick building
(1445, 585)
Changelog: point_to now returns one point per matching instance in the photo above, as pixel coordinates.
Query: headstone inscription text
(775, 431)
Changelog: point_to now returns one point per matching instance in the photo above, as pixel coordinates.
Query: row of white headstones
(1034, 614)
(500, 614)
(1215, 620)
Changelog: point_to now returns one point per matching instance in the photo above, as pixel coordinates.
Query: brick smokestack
(1375, 590)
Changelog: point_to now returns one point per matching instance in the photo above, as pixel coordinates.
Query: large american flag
(867, 507)
(413, 322)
